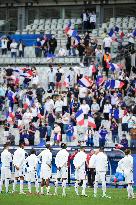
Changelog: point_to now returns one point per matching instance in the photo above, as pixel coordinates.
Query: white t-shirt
(58, 105)
(82, 92)
(35, 80)
(84, 17)
(20, 47)
(4, 43)
(13, 47)
(107, 108)
(34, 111)
(93, 18)
(107, 42)
(85, 108)
(51, 76)
(49, 105)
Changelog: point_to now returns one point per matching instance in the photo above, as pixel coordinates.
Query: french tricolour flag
(116, 84)
(114, 67)
(91, 122)
(80, 117)
(85, 82)
(67, 81)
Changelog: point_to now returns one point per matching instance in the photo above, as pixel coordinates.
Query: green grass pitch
(118, 197)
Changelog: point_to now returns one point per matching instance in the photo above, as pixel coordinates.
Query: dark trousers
(64, 109)
(21, 54)
(107, 49)
(13, 54)
(51, 86)
(85, 25)
(91, 176)
(106, 70)
(4, 51)
(52, 50)
(31, 139)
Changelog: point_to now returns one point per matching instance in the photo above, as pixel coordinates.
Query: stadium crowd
(92, 103)
(98, 91)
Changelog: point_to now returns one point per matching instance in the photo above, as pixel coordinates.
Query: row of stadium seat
(123, 23)
(50, 25)
(25, 61)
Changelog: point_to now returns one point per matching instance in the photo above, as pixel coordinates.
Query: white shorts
(32, 176)
(5, 173)
(62, 173)
(100, 176)
(19, 173)
(45, 172)
(80, 174)
(129, 177)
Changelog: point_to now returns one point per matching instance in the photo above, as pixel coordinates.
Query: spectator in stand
(31, 132)
(49, 105)
(45, 46)
(81, 49)
(107, 110)
(103, 136)
(98, 54)
(124, 141)
(51, 79)
(90, 136)
(52, 45)
(4, 45)
(59, 76)
(69, 130)
(89, 52)
(39, 93)
(58, 105)
(73, 48)
(92, 20)
(35, 81)
(85, 17)
(107, 42)
(21, 47)
(42, 130)
(13, 47)
(83, 91)
(114, 131)
(86, 38)
(106, 60)
(95, 107)
(56, 134)
(38, 48)
(85, 107)
(133, 137)
(68, 44)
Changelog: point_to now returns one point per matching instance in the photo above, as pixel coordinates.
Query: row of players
(98, 161)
